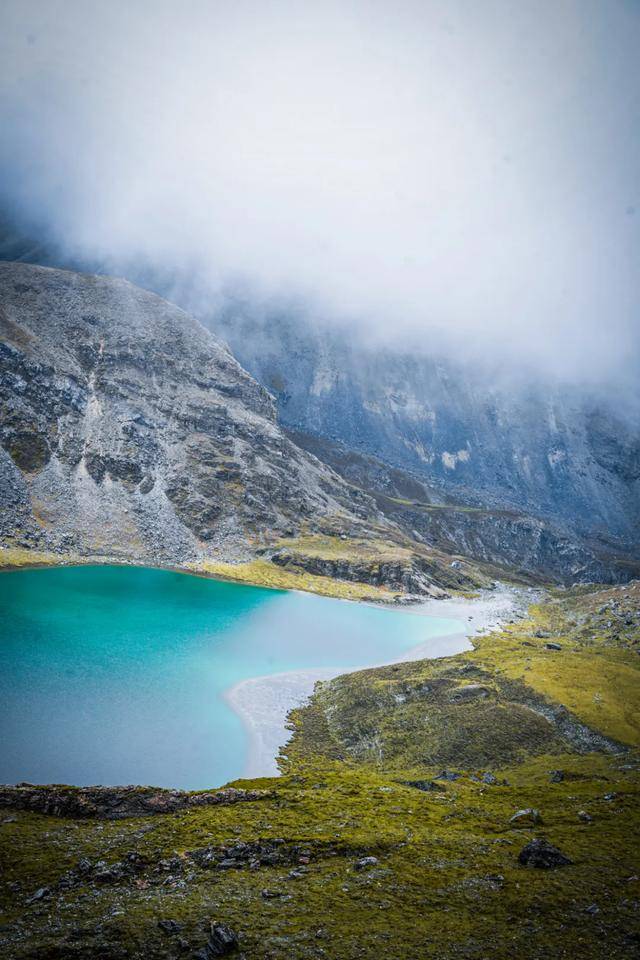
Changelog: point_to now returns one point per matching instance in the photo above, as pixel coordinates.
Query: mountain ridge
(128, 431)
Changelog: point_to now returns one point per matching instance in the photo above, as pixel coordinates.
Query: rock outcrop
(115, 803)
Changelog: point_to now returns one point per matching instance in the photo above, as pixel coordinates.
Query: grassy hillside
(420, 766)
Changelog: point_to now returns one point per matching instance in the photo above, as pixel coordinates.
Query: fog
(457, 177)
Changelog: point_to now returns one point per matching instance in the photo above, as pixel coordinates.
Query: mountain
(559, 461)
(128, 429)
(522, 474)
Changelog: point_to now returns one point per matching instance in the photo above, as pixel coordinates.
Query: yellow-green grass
(352, 548)
(510, 698)
(257, 572)
(263, 573)
(447, 883)
(13, 557)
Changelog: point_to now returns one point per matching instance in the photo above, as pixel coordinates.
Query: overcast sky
(460, 175)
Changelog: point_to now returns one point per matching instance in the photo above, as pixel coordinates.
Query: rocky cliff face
(553, 453)
(127, 429)
(458, 523)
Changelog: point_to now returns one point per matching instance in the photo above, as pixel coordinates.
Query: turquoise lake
(117, 674)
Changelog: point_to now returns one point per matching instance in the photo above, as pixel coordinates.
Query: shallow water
(117, 674)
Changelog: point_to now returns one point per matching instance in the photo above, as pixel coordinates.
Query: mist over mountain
(456, 180)
(416, 230)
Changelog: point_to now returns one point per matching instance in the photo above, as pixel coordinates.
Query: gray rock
(552, 472)
(543, 855)
(365, 862)
(40, 894)
(529, 815)
(222, 941)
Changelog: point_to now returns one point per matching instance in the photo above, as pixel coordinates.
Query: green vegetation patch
(396, 827)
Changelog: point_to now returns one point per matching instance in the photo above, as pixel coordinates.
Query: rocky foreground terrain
(486, 804)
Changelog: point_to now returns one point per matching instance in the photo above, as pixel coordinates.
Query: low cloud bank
(457, 178)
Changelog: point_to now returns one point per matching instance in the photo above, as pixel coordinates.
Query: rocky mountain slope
(463, 524)
(128, 430)
(539, 478)
(554, 453)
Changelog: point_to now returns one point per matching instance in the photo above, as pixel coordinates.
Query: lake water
(117, 674)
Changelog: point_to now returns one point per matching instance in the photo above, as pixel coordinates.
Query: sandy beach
(264, 702)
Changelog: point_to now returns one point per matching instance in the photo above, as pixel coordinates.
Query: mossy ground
(13, 557)
(257, 572)
(355, 549)
(263, 573)
(447, 883)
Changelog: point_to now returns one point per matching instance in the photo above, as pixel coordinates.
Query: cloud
(458, 177)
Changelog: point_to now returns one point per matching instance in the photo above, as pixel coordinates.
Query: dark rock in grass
(489, 778)
(556, 776)
(222, 941)
(584, 817)
(553, 646)
(450, 775)
(526, 816)
(543, 855)
(428, 786)
(365, 862)
(170, 926)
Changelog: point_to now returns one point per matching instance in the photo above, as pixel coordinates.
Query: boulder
(365, 862)
(222, 941)
(526, 816)
(543, 855)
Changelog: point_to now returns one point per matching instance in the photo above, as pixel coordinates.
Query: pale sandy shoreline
(262, 703)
